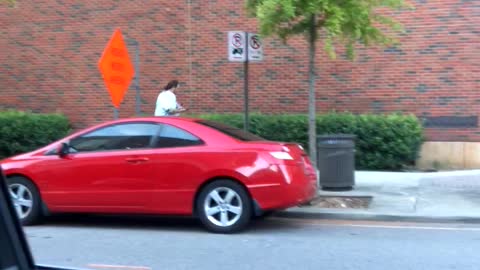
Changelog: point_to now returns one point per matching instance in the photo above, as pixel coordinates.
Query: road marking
(118, 267)
(374, 224)
(414, 227)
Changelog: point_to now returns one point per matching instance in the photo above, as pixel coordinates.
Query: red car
(162, 165)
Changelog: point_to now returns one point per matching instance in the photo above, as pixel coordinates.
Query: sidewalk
(431, 197)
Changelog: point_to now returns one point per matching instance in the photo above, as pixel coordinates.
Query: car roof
(154, 119)
(158, 119)
(174, 120)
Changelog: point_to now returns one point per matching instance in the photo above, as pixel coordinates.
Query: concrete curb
(324, 213)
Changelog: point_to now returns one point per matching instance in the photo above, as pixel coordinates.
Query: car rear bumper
(294, 188)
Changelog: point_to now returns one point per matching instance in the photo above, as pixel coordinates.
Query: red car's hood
(18, 163)
(18, 160)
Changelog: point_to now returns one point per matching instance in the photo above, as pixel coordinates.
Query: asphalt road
(161, 243)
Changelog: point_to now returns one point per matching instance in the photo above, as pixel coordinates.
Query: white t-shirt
(166, 101)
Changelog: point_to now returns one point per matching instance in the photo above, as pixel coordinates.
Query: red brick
(50, 49)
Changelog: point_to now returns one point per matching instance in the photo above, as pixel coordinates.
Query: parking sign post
(244, 47)
(245, 93)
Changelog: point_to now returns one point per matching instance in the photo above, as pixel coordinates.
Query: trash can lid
(336, 137)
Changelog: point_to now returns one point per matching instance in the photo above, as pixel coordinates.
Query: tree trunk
(312, 145)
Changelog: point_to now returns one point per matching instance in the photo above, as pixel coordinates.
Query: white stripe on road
(117, 267)
(342, 223)
(414, 227)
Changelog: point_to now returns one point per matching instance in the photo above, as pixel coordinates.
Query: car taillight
(308, 167)
(281, 155)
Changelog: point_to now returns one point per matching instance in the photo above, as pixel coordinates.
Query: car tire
(224, 206)
(26, 199)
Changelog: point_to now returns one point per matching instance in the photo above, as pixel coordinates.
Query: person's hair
(171, 84)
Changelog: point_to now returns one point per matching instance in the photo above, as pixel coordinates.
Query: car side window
(171, 136)
(116, 137)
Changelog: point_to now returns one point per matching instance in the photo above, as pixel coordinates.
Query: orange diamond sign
(116, 68)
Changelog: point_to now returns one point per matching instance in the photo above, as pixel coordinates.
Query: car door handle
(137, 159)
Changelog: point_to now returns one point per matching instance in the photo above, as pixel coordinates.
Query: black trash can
(336, 161)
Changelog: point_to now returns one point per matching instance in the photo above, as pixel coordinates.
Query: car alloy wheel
(223, 206)
(26, 199)
(22, 199)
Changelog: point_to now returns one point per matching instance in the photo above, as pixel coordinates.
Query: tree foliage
(345, 21)
(10, 3)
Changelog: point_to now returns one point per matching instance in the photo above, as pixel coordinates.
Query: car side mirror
(63, 149)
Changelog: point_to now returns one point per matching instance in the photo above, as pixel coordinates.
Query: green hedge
(384, 142)
(22, 132)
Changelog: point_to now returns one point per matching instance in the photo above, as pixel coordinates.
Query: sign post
(117, 69)
(136, 78)
(246, 120)
(244, 47)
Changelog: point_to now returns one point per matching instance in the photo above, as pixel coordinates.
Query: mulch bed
(340, 202)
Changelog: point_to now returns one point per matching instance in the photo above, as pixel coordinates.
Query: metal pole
(245, 86)
(312, 132)
(137, 80)
(115, 113)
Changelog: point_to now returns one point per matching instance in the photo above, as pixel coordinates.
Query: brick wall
(50, 49)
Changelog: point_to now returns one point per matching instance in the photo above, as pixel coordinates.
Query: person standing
(167, 104)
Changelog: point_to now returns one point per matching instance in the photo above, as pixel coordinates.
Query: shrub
(384, 142)
(22, 132)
